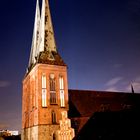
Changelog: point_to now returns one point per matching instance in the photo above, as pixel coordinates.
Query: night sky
(98, 39)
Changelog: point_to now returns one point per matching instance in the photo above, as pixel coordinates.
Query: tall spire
(47, 40)
(35, 39)
(47, 51)
(43, 45)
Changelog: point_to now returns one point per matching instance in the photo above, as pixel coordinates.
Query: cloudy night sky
(98, 39)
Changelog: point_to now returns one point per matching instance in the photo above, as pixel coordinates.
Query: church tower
(45, 86)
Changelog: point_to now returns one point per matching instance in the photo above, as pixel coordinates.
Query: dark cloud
(4, 84)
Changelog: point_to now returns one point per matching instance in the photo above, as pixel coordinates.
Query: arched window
(61, 82)
(54, 136)
(53, 117)
(52, 89)
(44, 91)
(62, 96)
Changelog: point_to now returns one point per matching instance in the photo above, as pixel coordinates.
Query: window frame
(52, 87)
(62, 91)
(54, 119)
(44, 90)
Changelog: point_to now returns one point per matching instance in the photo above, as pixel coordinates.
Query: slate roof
(52, 58)
(84, 103)
(87, 102)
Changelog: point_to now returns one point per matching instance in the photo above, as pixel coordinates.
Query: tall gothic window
(54, 136)
(44, 91)
(53, 117)
(52, 89)
(62, 96)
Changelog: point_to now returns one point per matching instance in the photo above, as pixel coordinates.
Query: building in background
(8, 133)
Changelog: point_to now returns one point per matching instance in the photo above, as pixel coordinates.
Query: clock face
(52, 76)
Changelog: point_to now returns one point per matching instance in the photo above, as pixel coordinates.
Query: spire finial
(132, 89)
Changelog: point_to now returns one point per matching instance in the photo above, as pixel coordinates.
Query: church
(50, 111)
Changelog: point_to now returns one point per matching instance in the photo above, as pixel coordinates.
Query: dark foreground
(121, 125)
(11, 138)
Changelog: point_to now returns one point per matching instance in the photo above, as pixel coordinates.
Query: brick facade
(37, 120)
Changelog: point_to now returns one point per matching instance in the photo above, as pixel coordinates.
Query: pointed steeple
(35, 39)
(47, 51)
(47, 40)
(43, 45)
